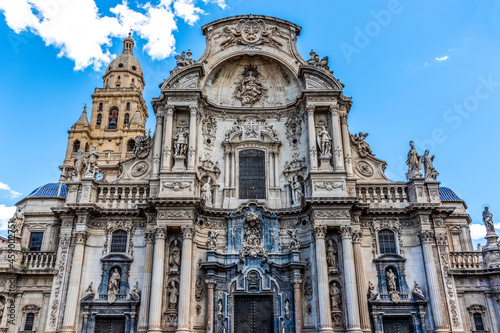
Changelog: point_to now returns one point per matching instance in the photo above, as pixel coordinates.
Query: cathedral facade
(251, 208)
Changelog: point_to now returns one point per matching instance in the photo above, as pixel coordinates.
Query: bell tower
(118, 115)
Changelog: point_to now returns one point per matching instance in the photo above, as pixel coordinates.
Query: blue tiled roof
(50, 190)
(447, 194)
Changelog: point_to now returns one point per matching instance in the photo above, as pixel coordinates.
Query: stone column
(226, 169)
(157, 280)
(336, 140)
(351, 293)
(167, 150)
(146, 284)
(72, 297)
(192, 137)
(276, 169)
(346, 140)
(233, 168)
(185, 289)
(433, 284)
(313, 151)
(157, 143)
(325, 319)
(361, 281)
(210, 305)
(297, 305)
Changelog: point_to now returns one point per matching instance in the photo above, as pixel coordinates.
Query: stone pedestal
(491, 241)
(325, 163)
(179, 164)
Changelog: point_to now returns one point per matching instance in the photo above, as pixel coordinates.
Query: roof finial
(85, 107)
(128, 43)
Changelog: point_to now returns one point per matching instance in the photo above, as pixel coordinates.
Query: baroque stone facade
(251, 209)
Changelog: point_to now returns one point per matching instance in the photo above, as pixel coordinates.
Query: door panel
(398, 325)
(253, 314)
(109, 325)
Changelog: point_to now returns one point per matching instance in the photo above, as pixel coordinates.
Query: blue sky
(417, 70)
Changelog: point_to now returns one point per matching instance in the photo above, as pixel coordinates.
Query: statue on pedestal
(429, 170)
(175, 256)
(114, 286)
(17, 222)
(488, 220)
(413, 163)
(173, 295)
(181, 142)
(92, 157)
(295, 243)
(79, 165)
(297, 193)
(324, 141)
(206, 193)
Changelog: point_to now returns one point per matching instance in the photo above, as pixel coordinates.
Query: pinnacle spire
(128, 43)
(83, 118)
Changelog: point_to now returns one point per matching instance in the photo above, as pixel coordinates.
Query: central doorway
(109, 325)
(253, 314)
(398, 325)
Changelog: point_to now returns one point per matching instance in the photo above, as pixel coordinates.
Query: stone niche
(258, 81)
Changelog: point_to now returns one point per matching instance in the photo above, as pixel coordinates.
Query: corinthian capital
(187, 231)
(81, 237)
(319, 231)
(357, 236)
(346, 231)
(160, 232)
(426, 236)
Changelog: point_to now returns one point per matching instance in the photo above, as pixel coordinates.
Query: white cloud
(12, 193)
(478, 231)
(444, 58)
(84, 35)
(6, 213)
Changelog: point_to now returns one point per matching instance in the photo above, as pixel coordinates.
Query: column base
(154, 330)
(67, 330)
(354, 329)
(326, 329)
(183, 330)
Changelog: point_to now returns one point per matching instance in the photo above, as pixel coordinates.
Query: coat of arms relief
(249, 90)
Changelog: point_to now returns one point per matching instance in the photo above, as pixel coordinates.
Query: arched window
(386, 241)
(99, 119)
(76, 146)
(100, 106)
(130, 145)
(29, 322)
(119, 241)
(478, 322)
(252, 174)
(87, 146)
(126, 120)
(128, 104)
(113, 118)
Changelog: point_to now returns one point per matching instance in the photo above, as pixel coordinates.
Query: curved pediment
(258, 81)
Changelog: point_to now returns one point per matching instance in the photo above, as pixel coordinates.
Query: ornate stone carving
(142, 146)
(209, 168)
(308, 288)
(297, 193)
(413, 162)
(319, 231)
(252, 244)
(294, 130)
(429, 170)
(426, 236)
(335, 296)
(177, 186)
(181, 142)
(287, 309)
(391, 280)
(332, 214)
(160, 232)
(212, 239)
(251, 33)
(92, 167)
(183, 61)
(331, 254)
(363, 148)
(173, 295)
(175, 256)
(357, 236)
(187, 231)
(417, 292)
(135, 293)
(329, 186)
(346, 231)
(208, 130)
(372, 295)
(364, 168)
(79, 165)
(324, 141)
(114, 286)
(488, 220)
(295, 242)
(175, 214)
(317, 62)
(249, 90)
(296, 167)
(16, 222)
(139, 169)
(81, 237)
(198, 289)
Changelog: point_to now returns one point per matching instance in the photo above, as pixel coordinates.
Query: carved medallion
(365, 169)
(249, 90)
(139, 169)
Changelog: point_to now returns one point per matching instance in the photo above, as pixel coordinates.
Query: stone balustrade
(466, 260)
(122, 196)
(382, 193)
(39, 260)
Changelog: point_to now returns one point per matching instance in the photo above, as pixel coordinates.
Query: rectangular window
(478, 321)
(252, 174)
(36, 241)
(30, 320)
(387, 242)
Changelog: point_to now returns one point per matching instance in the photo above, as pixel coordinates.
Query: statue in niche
(219, 307)
(173, 293)
(175, 256)
(79, 165)
(295, 243)
(364, 148)
(249, 90)
(206, 192)
(181, 142)
(135, 293)
(93, 155)
(335, 297)
(324, 141)
(391, 280)
(113, 286)
(2, 307)
(287, 309)
(413, 162)
(17, 221)
(198, 292)
(488, 220)
(331, 251)
(297, 193)
(429, 170)
(212, 239)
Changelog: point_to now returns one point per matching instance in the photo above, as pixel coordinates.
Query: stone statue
(335, 297)
(175, 256)
(331, 259)
(113, 286)
(391, 280)
(479, 247)
(364, 148)
(206, 192)
(371, 291)
(324, 141)
(317, 62)
(295, 243)
(79, 165)
(141, 147)
(135, 293)
(17, 221)
(90, 290)
(181, 142)
(182, 60)
(429, 171)
(92, 157)
(297, 193)
(417, 291)
(287, 309)
(413, 162)
(219, 307)
(249, 90)
(173, 295)
(212, 239)
(488, 220)
(2, 307)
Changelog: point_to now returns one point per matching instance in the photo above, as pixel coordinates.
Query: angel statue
(212, 239)
(295, 243)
